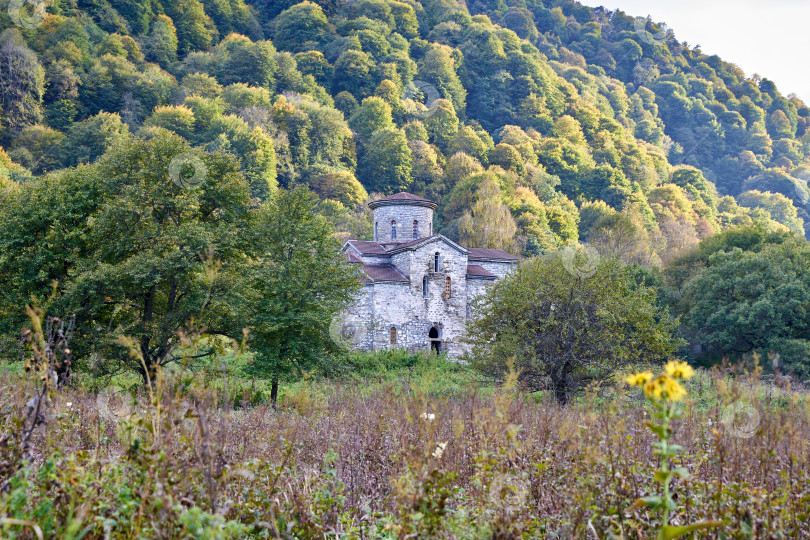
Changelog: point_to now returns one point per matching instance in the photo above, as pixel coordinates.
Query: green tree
(373, 115)
(478, 145)
(240, 60)
(22, 84)
(337, 185)
(253, 148)
(779, 207)
(201, 84)
(565, 329)
(506, 156)
(405, 20)
(87, 140)
(353, 73)
(179, 119)
(161, 44)
(41, 145)
(386, 163)
(295, 284)
(195, 30)
(131, 248)
(315, 63)
(442, 123)
(489, 223)
(746, 301)
(206, 111)
(438, 68)
(779, 126)
(301, 28)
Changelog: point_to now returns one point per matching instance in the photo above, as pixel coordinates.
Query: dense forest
(177, 178)
(576, 119)
(534, 124)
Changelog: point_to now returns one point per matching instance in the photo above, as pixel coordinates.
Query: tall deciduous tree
(131, 247)
(301, 28)
(386, 163)
(195, 29)
(489, 224)
(295, 283)
(161, 45)
(240, 60)
(22, 83)
(567, 322)
(752, 295)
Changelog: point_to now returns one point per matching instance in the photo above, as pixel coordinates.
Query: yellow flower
(664, 387)
(654, 388)
(639, 379)
(673, 389)
(679, 370)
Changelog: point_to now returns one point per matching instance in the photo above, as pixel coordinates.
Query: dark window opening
(425, 286)
(436, 262)
(415, 229)
(393, 229)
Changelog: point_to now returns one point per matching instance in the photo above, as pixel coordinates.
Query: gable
(363, 247)
(424, 244)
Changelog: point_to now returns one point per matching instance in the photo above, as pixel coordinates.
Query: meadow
(397, 446)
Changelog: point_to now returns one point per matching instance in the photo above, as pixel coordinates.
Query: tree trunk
(560, 392)
(274, 391)
(149, 374)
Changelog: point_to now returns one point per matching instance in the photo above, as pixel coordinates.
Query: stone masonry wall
(413, 313)
(407, 307)
(404, 216)
(500, 269)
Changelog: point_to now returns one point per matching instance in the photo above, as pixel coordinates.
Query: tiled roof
(376, 248)
(478, 271)
(383, 272)
(368, 248)
(353, 258)
(404, 196)
(413, 242)
(483, 253)
(400, 247)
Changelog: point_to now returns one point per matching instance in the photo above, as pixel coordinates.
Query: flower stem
(665, 461)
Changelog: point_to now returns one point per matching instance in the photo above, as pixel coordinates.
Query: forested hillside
(177, 178)
(556, 121)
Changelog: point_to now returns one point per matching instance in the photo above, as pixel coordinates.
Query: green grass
(230, 378)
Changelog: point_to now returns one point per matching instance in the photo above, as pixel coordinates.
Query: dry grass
(338, 460)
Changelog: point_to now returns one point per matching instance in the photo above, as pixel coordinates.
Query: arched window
(447, 288)
(435, 342)
(376, 232)
(415, 228)
(424, 286)
(392, 334)
(393, 229)
(436, 261)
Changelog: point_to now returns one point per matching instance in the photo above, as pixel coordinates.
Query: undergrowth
(399, 446)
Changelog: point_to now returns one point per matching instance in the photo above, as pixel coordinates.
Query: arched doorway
(435, 342)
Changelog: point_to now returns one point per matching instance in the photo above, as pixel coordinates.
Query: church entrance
(435, 342)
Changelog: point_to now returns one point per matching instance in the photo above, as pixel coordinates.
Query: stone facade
(402, 220)
(417, 291)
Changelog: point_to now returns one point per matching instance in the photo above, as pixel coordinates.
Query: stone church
(418, 286)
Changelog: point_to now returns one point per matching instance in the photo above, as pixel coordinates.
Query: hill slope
(554, 121)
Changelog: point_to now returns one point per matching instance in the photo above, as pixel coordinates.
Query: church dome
(402, 217)
(403, 198)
